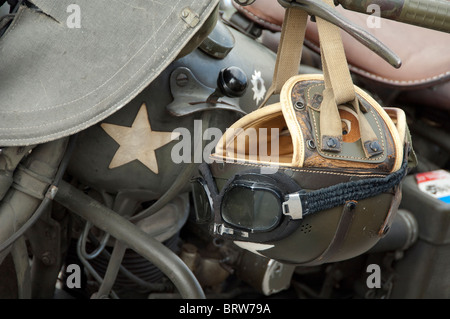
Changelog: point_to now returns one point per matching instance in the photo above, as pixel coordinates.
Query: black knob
(232, 82)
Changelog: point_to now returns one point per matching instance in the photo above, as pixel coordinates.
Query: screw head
(185, 13)
(375, 146)
(331, 142)
(182, 79)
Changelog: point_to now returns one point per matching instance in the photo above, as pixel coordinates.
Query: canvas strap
(339, 88)
(289, 50)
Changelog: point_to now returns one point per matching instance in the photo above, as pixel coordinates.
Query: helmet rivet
(351, 205)
(311, 144)
(331, 142)
(375, 146)
(299, 105)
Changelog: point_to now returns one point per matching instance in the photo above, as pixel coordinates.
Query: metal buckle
(221, 229)
(292, 206)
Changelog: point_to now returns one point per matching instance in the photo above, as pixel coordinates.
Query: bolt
(331, 142)
(182, 79)
(185, 13)
(374, 146)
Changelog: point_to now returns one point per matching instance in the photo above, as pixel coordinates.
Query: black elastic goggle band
(337, 195)
(302, 203)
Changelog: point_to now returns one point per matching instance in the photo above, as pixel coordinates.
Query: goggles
(257, 207)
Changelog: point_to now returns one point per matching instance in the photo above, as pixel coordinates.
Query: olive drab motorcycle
(217, 149)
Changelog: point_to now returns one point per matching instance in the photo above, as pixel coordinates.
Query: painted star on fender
(138, 142)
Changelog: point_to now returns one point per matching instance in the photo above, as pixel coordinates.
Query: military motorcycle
(109, 109)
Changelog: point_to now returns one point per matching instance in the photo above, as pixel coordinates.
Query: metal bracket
(221, 229)
(190, 95)
(190, 17)
(51, 192)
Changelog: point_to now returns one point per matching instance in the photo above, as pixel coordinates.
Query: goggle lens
(255, 209)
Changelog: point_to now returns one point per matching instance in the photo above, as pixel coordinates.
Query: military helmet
(292, 199)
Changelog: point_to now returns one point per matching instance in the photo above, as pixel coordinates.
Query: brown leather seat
(424, 52)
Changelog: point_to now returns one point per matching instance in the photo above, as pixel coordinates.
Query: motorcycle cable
(47, 199)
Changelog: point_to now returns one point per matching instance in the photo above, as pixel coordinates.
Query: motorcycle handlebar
(431, 14)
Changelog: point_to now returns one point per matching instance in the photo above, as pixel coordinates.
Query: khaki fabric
(58, 78)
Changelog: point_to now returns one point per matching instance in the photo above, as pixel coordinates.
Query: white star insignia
(138, 142)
